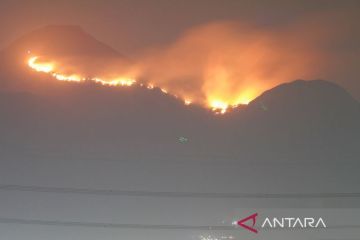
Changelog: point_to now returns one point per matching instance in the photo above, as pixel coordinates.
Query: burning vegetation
(218, 66)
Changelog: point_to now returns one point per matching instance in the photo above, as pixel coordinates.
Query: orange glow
(49, 67)
(40, 67)
(219, 106)
(215, 104)
(187, 101)
(115, 82)
(225, 64)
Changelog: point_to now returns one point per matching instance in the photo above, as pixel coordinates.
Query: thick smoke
(232, 63)
(227, 63)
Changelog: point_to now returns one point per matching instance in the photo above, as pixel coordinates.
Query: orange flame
(38, 65)
(43, 67)
(49, 67)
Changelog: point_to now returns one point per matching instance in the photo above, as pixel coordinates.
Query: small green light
(263, 107)
(183, 139)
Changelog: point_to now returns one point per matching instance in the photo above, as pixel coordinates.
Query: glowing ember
(71, 78)
(219, 106)
(187, 102)
(48, 67)
(116, 82)
(40, 67)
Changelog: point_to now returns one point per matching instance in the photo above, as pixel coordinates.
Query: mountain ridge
(309, 119)
(61, 39)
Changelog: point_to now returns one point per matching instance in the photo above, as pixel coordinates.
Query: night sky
(131, 27)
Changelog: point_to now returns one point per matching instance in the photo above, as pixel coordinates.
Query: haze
(134, 27)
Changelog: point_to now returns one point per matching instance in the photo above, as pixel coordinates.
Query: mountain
(68, 43)
(130, 121)
(298, 121)
(318, 104)
(302, 118)
(95, 120)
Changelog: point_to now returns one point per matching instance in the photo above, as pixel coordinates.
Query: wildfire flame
(38, 65)
(49, 67)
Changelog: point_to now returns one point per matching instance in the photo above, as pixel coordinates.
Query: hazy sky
(130, 26)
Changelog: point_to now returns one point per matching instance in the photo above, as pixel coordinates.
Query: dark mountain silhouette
(301, 120)
(127, 121)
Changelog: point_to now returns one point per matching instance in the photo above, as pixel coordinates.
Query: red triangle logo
(243, 224)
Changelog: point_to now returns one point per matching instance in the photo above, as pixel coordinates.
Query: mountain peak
(67, 44)
(317, 107)
(312, 94)
(60, 40)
